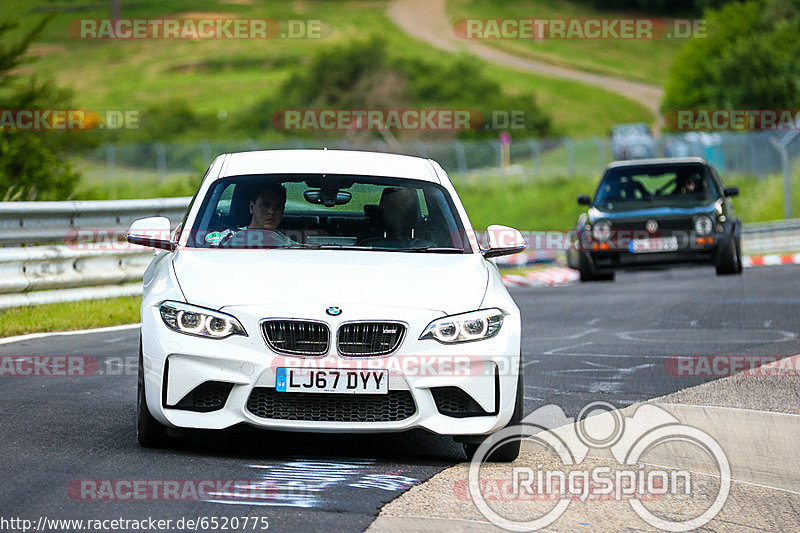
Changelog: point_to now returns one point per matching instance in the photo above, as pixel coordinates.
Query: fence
(758, 154)
(48, 270)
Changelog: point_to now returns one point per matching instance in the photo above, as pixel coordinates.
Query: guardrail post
(205, 149)
(111, 158)
(498, 148)
(569, 146)
(161, 158)
(601, 153)
(787, 177)
(536, 155)
(461, 156)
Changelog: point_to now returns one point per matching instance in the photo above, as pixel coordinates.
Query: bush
(362, 74)
(747, 60)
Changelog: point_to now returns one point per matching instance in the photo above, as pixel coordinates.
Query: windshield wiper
(434, 249)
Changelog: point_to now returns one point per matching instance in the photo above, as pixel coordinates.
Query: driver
(266, 207)
(266, 212)
(686, 185)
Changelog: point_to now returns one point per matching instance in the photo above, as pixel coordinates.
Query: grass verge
(70, 316)
(220, 77)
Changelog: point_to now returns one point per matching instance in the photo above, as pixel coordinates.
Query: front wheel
(588, 273)
(507, 453)
(731, 260)
(149, 431)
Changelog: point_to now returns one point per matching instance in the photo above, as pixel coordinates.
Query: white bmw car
(327, 291)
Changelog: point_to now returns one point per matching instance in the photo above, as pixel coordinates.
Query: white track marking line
(31, 336)
(729, 408)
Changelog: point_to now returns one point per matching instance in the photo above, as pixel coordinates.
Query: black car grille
(665, 225)
(370, 338)
(453, 401)
(299, 337)
(322, 407)
(206, 397)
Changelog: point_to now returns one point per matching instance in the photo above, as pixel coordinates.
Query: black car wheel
(588, 272)
(149, 431)
(506, 453)
(730, 261)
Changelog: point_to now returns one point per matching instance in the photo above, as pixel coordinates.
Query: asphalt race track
(581, 343)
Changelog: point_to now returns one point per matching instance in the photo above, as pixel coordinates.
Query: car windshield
(677, 184)
(329, 212)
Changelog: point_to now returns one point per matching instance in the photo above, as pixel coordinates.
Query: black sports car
(657, 212)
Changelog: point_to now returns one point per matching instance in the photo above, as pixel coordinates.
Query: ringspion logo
(629, 477)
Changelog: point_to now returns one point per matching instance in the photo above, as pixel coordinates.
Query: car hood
(450, 283)
(638, 210)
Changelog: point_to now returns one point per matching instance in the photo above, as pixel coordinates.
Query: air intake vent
(206, 397)
(298, 337)
(453, 401)
(369, 338)
(267, 403)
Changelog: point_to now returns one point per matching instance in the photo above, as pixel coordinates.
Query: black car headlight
(601, 230)
(703, 225)
(199, 321)
(465, 327)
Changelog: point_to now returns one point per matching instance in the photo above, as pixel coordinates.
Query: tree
(30, 165)
(748, 59)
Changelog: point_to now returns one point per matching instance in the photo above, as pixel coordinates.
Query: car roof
(347, 162)
(657, 161)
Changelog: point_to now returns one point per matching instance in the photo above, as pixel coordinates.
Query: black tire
(507, 453)
(730, 260)
(149, 431)
(739, 264)
(588, 273)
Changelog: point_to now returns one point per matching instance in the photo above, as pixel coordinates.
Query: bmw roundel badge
(333, 311)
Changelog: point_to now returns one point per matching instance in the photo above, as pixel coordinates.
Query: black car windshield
(329, 212)
(662, 184)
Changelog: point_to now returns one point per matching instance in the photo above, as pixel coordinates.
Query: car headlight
(703, 224)
(472, 326)
(199, 321)
(601, 230)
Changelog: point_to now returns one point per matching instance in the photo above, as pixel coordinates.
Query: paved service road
(582, 343)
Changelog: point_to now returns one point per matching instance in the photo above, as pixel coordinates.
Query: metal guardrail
(50, 270)
(53, 222)
(56, 264)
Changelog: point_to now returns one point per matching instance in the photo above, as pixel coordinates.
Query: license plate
(658, 244)
(332, 381)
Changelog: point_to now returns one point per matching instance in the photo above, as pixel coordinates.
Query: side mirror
(504, 241)
(583, 199)
(731, 191)
(152, 232)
